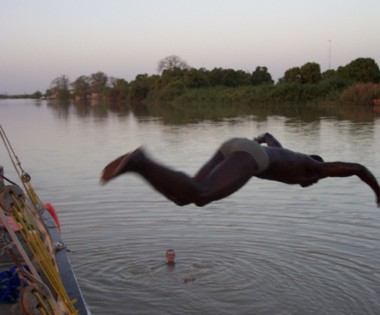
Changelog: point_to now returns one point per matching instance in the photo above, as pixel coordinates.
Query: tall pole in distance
(329, 54)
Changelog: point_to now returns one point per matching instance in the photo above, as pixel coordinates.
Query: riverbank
(333, 91)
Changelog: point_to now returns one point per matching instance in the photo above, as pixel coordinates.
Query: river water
(268, 249)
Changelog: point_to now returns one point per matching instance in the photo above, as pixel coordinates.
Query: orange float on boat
(49, 207)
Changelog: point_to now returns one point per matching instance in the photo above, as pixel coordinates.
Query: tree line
(177, 79)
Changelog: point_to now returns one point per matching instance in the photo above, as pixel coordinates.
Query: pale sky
(43, 39)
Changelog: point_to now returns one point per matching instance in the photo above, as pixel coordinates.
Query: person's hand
(260, 138)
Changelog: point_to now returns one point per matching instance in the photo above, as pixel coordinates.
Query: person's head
(170, 256)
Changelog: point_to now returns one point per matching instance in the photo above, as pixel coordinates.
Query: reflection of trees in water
(90, 108)
(60, 107)
(182, 114)
(358, 113)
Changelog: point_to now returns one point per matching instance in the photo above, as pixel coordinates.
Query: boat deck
(67, 274)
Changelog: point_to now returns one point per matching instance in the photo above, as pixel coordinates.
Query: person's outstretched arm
(267, 138)
(344, 169)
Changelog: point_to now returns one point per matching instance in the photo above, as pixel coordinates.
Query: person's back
(291, 167)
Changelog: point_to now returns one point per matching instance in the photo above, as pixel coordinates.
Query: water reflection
(172, 114)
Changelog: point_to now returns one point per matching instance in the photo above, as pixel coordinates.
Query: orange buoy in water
(49, 207)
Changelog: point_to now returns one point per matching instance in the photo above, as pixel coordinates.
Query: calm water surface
(268, 249)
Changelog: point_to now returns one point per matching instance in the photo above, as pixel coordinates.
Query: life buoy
(49, 207)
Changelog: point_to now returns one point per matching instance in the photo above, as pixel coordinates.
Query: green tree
(228, 77)
(361, 70)
(98, 82)
(173, 77)
(81, 87)
(215, 77)
(37, 95)
(261, 76)
(292, 75)
(60, 87)
(171, 62)
(241, 78)
(310, 73)
(194, 78)
(119, 89)
(139, 88)
(329, 74)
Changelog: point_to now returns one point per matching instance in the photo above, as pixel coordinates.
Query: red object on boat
(49, 207)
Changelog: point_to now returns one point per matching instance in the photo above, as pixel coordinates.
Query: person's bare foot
(121, 165)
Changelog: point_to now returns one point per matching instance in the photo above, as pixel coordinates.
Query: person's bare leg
(224, 179)
(227, 177)
(121, 165)
(208, 167)
(176, 186)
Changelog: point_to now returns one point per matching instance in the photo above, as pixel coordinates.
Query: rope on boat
(12, 155)
(24, 177)
(38, 240)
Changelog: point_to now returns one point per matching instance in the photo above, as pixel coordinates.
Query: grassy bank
(281, 93)
(334, 90)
